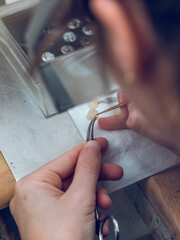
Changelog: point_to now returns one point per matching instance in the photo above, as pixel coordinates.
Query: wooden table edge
(7, 183)
(163, 192)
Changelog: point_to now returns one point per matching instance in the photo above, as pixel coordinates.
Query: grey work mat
(28, 139)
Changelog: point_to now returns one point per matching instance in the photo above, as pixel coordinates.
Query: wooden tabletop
(7, 183)
(162, 190)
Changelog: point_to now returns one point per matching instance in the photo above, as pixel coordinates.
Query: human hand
(143, 68)
(58, 200)
(130, 117)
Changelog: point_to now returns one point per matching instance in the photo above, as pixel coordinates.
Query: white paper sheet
(139, 156)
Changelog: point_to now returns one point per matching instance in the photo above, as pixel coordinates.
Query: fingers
(103, 142)
(114, 17)
(103, 199)
(122, 97)
(104, 11)
(118, 121)
(110, 172)
(87, 169)
(115, 122)
(135, 120)
(139, 123)
(105, 227)
(65, 165)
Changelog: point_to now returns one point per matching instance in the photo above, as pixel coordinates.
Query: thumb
(87, 169)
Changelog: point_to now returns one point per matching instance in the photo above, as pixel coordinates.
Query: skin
(52, 202)
(57, 201)
(132, 47)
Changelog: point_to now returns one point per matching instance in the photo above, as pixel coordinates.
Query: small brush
(112, 108)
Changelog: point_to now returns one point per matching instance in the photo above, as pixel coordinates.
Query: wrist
(63, 232)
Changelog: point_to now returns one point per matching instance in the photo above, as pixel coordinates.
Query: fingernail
(93, 147)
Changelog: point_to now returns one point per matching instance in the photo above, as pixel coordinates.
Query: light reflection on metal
(69, 37)
(67, 49)
(74, 24)
(48, 57)
(87, 30)
(86, 41)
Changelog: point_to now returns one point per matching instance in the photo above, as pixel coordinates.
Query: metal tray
(67, 81)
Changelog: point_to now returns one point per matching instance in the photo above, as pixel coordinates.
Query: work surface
(162, 190)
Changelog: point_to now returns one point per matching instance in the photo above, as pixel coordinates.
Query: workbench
(161, 190)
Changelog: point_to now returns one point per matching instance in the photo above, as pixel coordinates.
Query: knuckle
(21, 189)
(124, 114)
(134, 123)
